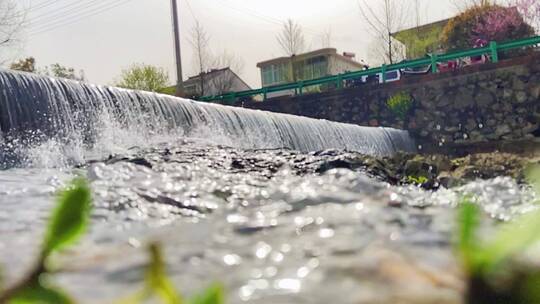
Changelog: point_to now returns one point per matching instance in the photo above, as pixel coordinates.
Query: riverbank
(432, 171)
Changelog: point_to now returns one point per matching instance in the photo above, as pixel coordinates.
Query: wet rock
(446, 180)
(237, 164)
(373, 123)
(141, 162)
(502, 130)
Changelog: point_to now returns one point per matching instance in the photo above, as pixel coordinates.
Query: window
(280, 73)
(267, 75)
(274, 74)
(315, 68)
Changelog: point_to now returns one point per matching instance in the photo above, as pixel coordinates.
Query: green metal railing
(492, 49)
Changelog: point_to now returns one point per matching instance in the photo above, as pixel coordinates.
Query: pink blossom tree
(500, 23)
(496, 24)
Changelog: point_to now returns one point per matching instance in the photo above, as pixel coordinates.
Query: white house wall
(338, 66)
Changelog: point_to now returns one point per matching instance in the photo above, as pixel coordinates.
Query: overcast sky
(89, 35)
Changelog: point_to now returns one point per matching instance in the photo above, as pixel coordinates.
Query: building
(420, 40)
(214, 82)
(311, 65)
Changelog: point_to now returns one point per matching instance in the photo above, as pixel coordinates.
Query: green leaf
(1, 279)
(511, 239)
(157, 281)
(70, 218)
(136, 298)
(532, 176)
(39, 294)
(467, 240)
(532, 288)
(213, 295)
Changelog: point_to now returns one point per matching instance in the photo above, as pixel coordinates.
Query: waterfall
(36, 109)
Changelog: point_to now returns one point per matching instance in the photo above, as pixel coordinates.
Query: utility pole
(178, 54)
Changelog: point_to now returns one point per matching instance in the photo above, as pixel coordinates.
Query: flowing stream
(234, 196)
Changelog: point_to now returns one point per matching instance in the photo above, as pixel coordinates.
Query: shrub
(400, 104)
(485, 23)
(143, 77)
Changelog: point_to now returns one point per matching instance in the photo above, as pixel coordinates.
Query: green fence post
(494, 53)
(340, 81)
(383, 73)
(434, 69)
(301, 87)
(265, 92)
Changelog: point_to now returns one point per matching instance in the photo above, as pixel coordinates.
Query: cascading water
(36, 109)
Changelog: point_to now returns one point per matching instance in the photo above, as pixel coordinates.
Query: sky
(103, 37)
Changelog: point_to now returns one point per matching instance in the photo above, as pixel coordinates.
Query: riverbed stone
(503, 130)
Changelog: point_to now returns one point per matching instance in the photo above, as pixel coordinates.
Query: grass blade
(70, 218)
(532, 288)
(38, 293)
(532, 176)
(511, 239)
(157, 281)
(467, 243)
(213, 295)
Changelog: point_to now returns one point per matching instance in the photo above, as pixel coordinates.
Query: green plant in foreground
(157, 284)
(492, 275)
(400, 104)
(67, 224)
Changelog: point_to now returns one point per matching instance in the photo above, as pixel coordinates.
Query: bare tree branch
(326, 38)
(205, 62)
(224, 81)
(200, 41)
(12, 19)
(291, 39)
(385, 18)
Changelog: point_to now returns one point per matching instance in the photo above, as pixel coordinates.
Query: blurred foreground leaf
(532, 176)
(70, 218)
(532, 288)
(511, 239)
(37, 293)
(67, 223)
(469, 220)
(157, 282)
(213, 295)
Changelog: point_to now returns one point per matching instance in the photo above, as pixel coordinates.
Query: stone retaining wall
(483, 103)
